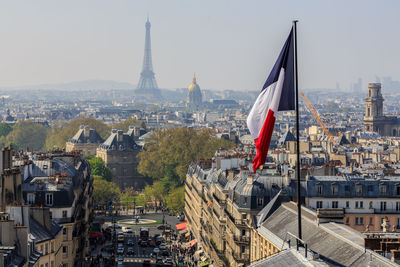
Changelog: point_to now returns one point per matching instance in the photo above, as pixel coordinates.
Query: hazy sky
(229, 44)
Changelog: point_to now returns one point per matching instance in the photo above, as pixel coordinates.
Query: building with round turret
(194, 98)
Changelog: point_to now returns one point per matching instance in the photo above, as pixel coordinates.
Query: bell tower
(374, 109)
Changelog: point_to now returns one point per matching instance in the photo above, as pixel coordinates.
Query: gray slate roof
(42, 234)
(333, 241)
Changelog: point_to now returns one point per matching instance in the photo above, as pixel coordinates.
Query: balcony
(241, 239)
(241, 257)
(240, 222)
(220, 201)
(387, 211)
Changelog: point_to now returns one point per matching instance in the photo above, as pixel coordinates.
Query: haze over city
(229, 44)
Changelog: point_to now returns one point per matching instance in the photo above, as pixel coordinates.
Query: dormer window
(31, 198)
(319, 189)
(335, 189)
(358, 189)
(382, 189)
(49, 199)
(260, 201)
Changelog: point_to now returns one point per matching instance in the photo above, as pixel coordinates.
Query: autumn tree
(104, 191)
(60, 133)
(27, 134)
(175, 200)
(177, 147)
(124, 125)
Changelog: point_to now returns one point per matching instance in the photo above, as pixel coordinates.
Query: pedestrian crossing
(138, 260)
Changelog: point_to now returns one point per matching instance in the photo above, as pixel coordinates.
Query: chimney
(86, 131)
(136, 131)
(120, 136)
(42, 216)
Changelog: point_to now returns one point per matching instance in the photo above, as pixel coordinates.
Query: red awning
(192, 243)
(181, 226)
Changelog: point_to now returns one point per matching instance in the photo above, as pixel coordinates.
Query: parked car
(130, 242)
(120, 261)
(130, 251)
(120, 250)
(156, 250)
(146, 262)
(159, 262)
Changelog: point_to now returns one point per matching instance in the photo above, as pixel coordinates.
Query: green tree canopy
(59, 134)
(99, 168)
(27, 134)
(175, 200)
(124, 125)
(104, 191)
(177, 147)
(5, 129)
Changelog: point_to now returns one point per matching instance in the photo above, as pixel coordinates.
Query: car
(130, 242)
(180, 260)
(162, 246)
(128, 230)
(161, 227)
(159, 262)
(120, 261)
(168, 262)
(116, 226)
(143, 243)
(164, 253)
(120, 250)
(146, 262)
(156, 250)
(130, 251)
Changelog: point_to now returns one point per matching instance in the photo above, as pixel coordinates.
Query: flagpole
(296, 86)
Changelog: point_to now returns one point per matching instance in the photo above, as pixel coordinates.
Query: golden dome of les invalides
(194, 97)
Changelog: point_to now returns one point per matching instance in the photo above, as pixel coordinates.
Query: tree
(176, 148)
(99, 168)
(175, 200)
(61, 133)
(124, 125)
(104, 191)
(27, 134)
(5, 129)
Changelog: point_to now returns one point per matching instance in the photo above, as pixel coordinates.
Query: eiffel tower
(147, 83)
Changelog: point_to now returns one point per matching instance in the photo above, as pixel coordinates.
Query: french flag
(277, 94)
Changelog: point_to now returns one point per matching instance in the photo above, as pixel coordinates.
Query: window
(64, 213)
(41, 249)
(358, 189)
(356, 222)
(50, 215)
(319, 189)
(347, 204)
(65, 249)
(46, 265)
(45, 167)
(335, 189)
(243, 232)
(245, 200)
(371, 221)
(371, 205)
(260, 201)
(398, 223)
(370, 188)
(347, 220)
(383, 205)
(52, 264)
(46, 249)
(361, 220)
(319, 204)
(361, 205)
(52, 247)
(347, 188)
(398, 190)
(31, 198)
(382, 189)
(397, 205)
(335, 204)
(356, 204)
(64, 231)
(49, 199)
(243, 249)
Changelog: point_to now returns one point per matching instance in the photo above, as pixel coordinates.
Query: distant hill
(78, 85)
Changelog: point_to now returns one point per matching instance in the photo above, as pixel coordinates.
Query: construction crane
(315, 114)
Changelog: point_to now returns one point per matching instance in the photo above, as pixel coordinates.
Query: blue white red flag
(277, 94)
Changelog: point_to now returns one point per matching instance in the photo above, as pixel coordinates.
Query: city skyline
(230, 46)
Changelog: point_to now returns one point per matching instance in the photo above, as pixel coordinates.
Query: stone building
(61, 185)
(194, 98)
(119, 153)
(86, 140)
(374, 119)
(221, 198)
